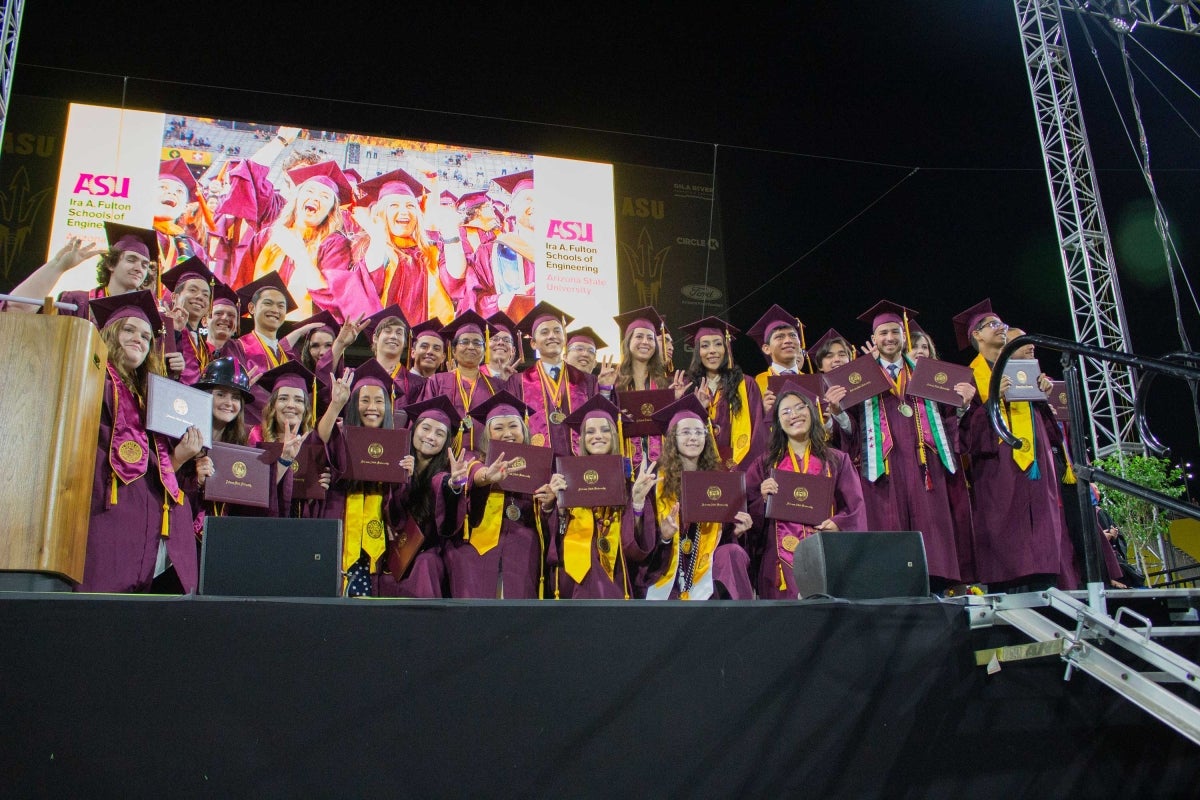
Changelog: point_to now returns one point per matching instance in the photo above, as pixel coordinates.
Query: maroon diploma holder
(803, 498)
(593, 481)
(529, 465)
(1024, 375)
(241, 475)
(711, 496)
(373, 454)
(638, 407)
(934, 380)
(862, 377)
(310, 462)
(404, 548)
(805, 380)
(1058, 399)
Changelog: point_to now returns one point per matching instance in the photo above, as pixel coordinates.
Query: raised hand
(669, 525)
(190, 445)
(679, 383)
(291, 440)
(608, 371)
(645, 479)
(339, 393)
(768, 400)
(459, 467)
(72, 254)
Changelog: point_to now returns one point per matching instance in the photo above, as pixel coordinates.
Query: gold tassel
(312, 414)
(112, 498)
(537, 523)
(907, 334)
(487, 344)
(166, 519)
(782, 578)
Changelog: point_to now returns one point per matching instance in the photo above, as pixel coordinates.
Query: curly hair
(108, 262)
(670, 462)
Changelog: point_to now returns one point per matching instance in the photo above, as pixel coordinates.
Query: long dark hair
(420, 492)
(350, 414)
(818, 438)
(731, 377)
(656, 368)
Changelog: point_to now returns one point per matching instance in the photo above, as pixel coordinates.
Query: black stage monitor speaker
(271, 557)
(861, 565)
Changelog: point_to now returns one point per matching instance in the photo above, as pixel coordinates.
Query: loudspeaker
(271, 557)
(861, 565)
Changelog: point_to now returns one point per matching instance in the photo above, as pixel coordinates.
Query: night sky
(862, 150)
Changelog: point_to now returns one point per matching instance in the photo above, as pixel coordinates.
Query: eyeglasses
(690, 433)
(994, 324)
(582, 348)
(470, 343)
(791, 411)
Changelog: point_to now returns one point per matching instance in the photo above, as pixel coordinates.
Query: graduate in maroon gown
(261, 349)
(388, 332)
(505, 353)
(734, 403)
(140, 535)
(644, 366)
(797, 443)
(466, 386)
(427, 355)
(551, 387)
(1020, 535)
(586, 556)
(430, 504)
(181, 218)
(908, 447)
(828, 353)
(780, 337)
(501, 272)
(362, 506)
(699, 561)
(191, 285)
(500, 550)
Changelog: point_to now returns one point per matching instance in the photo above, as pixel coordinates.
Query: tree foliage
(1142, 522)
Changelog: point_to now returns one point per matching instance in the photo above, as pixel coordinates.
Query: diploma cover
(241, 475)
(711, 495)
(862, 377)
(1058, 399)
(404, 548)
(637, 408)
(593, 481)
(172, 407)
(529, 467)
(809, 381)
(803, 498)
(168, 337)
(373, 454)
(310, 462)
(1024, 375)
(934, 380)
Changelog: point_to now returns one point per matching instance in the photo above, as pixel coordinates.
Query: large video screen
(351, 222)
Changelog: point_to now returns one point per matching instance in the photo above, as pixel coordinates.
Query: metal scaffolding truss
(8, 56)
(1174, 15)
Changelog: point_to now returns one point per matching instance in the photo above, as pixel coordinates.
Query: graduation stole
(1018, 415)
(364, 529)
(486, 534)
(542, 393)
(702, 582)
(739, 423)
(266, 351)
(577, 541)
(129, 449)
(877, 434)
(786, 542)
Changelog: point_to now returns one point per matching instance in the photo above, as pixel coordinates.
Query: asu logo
(374, 449)
(647, 409)
(570, 231)
(101, 185)
(518, 464)
(180, 406)
(800, 493)
(941, 378)
(591, 476)
(714, 493)
(854, 378)
(238, 469)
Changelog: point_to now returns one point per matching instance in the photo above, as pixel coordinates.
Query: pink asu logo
(570, 231)
(102, 185)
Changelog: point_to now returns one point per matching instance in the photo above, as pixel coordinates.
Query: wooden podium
(51, 390)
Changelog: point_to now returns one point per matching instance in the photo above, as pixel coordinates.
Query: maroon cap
(269, 281)
(329, 175)
(126, 237)
(793, 386)
(965, 322)
(138, 304)
(886, 311)
(646, 317)
(501, 404)
(504, 187)
(223, 295)
(391, 312)
(828, 338)
(325, 320)
(775, 318)
(397, 182)
(471, 200)
(709, 326)
(372, 373)
(289, 374)
(597, 406)
(466, 322)
(430, 327)
(184, 271)
(437, 408)
(686, 407)
(587, 335)
(176, 169)
(540, 313)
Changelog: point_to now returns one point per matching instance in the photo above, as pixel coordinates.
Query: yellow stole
(364, 529)
(739, 423)
(710, 536)
(577, 542)
(1018, 415)
(486, 534)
